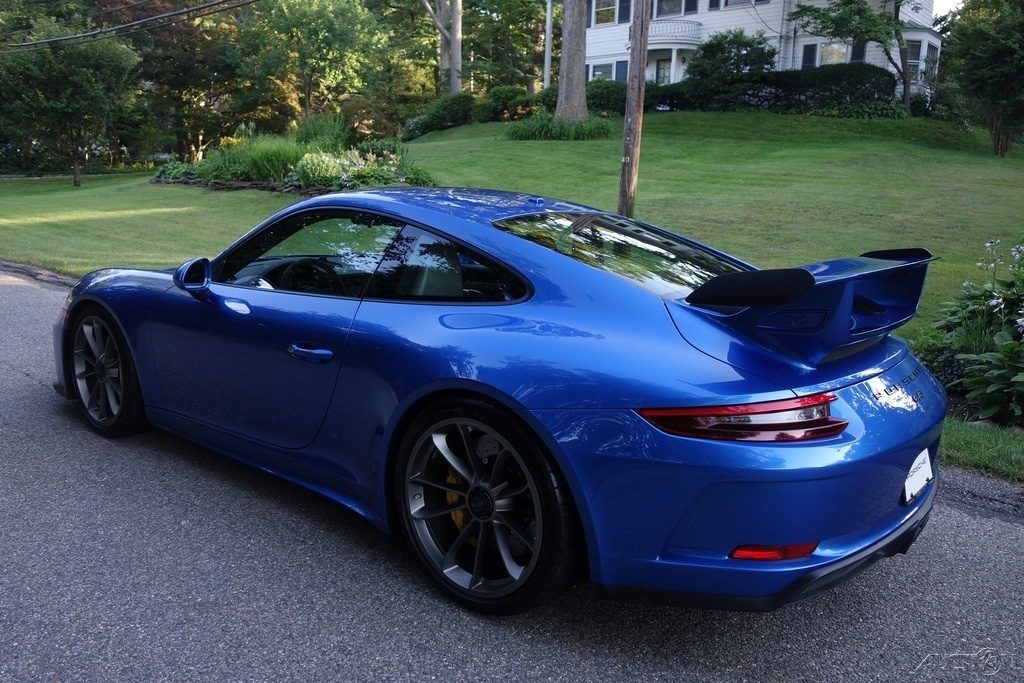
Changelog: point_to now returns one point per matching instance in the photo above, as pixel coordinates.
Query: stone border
(233, 185)
(36, 273)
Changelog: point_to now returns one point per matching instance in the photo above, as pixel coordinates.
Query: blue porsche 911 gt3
(534, 392)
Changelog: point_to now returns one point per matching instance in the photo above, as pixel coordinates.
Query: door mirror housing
(194, 275)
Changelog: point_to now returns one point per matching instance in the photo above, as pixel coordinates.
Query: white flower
(1017, 252)
(991, 245)
(996, 302)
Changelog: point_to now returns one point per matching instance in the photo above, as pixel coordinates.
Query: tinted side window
(320, 252)
(422, 266)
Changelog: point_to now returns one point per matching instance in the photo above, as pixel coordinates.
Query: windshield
(657, 260)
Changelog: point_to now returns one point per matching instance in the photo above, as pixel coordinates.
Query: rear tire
(485, 510)
(103, 378)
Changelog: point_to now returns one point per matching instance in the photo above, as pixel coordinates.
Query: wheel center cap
(481, 505)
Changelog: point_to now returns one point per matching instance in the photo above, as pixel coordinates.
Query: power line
(157, 21)
(83, 17)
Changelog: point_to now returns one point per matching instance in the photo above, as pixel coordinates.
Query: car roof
(477, 205)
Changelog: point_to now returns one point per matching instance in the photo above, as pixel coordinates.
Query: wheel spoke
(424, 513)
(514, 528)
(85, 374)
(449, 561)
(482, 543)
(504, 500)
(464, 436)
(513, 568)
(498, 466)
(113, 397)
(85, 353)
(91, 334)
(441, 444)
(423, 481)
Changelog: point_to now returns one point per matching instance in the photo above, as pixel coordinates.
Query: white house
(679, 26)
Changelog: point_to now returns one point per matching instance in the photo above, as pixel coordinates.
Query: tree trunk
(1002, 139)
(572, 77)
(548, 33)
(455, 78)
(633, 125)
(76, 172)
(901, 42)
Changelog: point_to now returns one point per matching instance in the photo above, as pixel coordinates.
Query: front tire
(486, 512)
(103, 375)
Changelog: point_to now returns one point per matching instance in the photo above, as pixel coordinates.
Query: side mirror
(194, 275)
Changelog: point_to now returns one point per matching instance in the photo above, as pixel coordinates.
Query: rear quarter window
(657, 260)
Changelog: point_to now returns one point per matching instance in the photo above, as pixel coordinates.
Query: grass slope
(121, 220)
(775, 190)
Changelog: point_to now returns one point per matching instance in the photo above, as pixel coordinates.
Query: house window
(605, 11)
(833, 53)
(662, 71)
(810, 59)
(622, 71)
(914, 59)
(858, 51)
(714, 4)
(689, 6)
(669, 8)
(931, 62)
(602, 72)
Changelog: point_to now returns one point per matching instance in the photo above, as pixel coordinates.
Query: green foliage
(952, 104)
(920, 104)
(864, 110)
(411, 174)
(726, 67)
(381, 146)
(319, 169)
(271, 157)
(325, 45)
(674, 96)
(329, 132)
(850, 21)
(444, 112)
(985, 48)
(373, 175)
(66, 97)
(826, 86)
(548, 97)
(522, 107)
(175, 170)
(606, 96)
(979, 347)
(543, 126)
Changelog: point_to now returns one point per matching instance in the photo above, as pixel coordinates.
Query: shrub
(329, 132)
(319, 169)
(175, 170)
(497, 104)
(952, 104)
(864, 110)
(521, 107)
(381, 146)
(982, 331)
(544, 126)
(228, 163)
(270, 157)
(920, 104)
(373, 175)
(444, 112)
(548, 97)
(412, 174)
(674, 96)
(606, 96)
(727, 67)
(486, 110)
(825, 86)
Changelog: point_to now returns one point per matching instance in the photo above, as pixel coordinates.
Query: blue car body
(574, 360)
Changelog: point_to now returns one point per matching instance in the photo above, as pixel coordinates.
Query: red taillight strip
(721, 422)
(773, 552)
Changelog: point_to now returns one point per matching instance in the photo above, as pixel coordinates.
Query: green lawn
(121, 220)
(775, 190)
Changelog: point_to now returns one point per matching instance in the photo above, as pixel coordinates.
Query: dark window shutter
(858, 50)
(714, 4)
(590, 12)
(624, 7)
(689, 6)
(622, 71)
(810, 53)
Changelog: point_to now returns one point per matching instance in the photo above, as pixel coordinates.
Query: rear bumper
(811, 583)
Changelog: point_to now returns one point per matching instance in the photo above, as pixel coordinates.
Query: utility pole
(637, 81)
(548, 23)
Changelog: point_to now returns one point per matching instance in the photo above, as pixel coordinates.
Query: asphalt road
(149, 558)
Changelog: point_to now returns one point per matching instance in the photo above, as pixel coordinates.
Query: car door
(258, 353)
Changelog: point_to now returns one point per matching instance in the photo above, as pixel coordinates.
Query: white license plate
(920, 475)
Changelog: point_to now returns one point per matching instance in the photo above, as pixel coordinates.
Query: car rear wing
(821, 311)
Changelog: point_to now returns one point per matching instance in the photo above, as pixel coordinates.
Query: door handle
(311, 355)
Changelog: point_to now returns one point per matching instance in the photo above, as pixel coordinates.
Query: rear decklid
(807, 324)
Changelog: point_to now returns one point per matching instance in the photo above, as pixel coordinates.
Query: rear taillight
(796, 419)
(773, 552)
